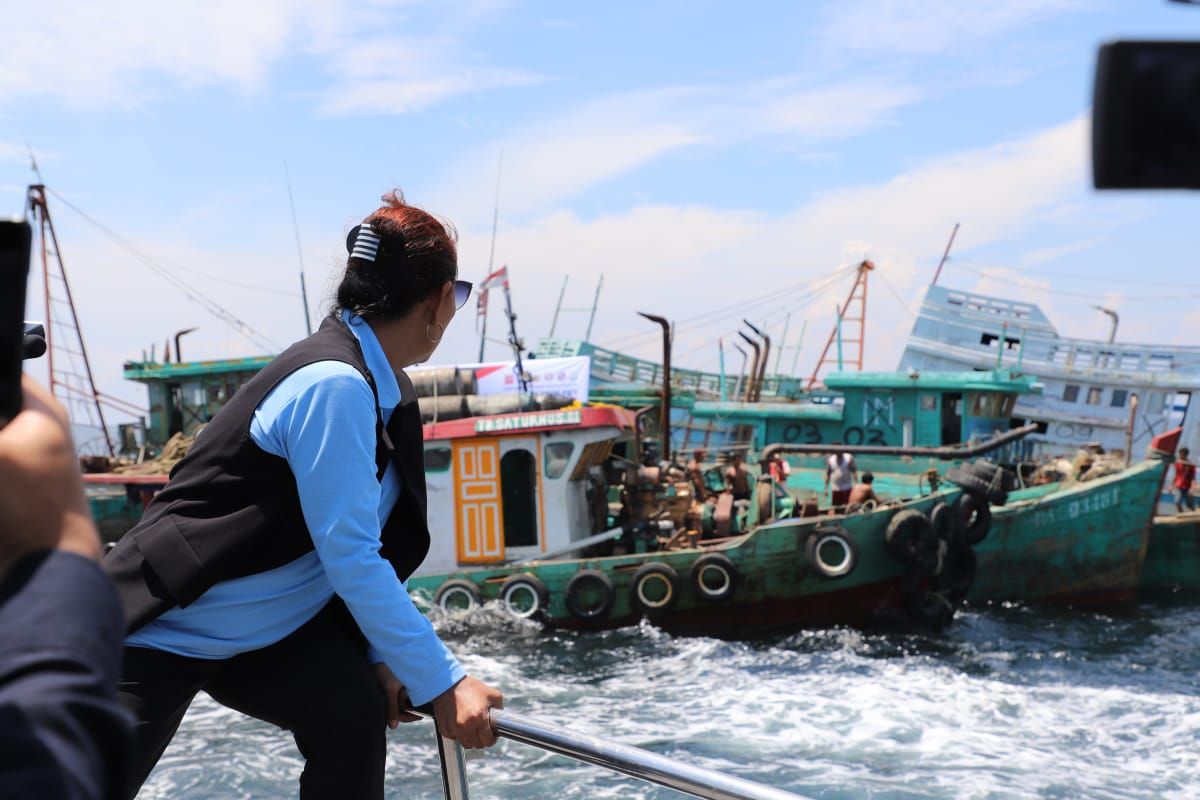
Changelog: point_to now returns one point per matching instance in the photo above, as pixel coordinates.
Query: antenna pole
(945, 255)
(513, 340)
(299, 252)
(787, 321)
(492, 253)
(587, 337)
(557, 308)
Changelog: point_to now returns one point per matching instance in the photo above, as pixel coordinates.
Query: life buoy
(589, 594)
(714, 577)
(831, 552)
(655, 588)
(909, 534)
(975, 517)
(524, 595)
(457, 596)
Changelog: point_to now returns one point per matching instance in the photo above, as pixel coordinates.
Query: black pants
(315, 683)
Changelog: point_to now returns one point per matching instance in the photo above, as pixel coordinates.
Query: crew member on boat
(865, 491)
(778, 468)
(737, 477)
(842, 472)
(270, 571)
(1185, 476)
(695, 472)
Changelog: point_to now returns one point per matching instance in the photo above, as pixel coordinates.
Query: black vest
(231, 509)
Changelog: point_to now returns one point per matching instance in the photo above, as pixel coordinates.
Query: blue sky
(699, 155)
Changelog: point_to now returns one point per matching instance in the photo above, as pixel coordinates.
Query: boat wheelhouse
(516, 486)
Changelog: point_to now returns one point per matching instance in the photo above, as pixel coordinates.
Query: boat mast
(858, 294)
(299, 254)
(66, 383)
(937, 274)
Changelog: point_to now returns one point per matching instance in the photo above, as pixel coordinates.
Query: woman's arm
(324, 425)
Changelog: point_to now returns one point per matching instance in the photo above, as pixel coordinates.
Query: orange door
(479, 516)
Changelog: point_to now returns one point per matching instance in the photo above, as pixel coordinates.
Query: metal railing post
(454, 768)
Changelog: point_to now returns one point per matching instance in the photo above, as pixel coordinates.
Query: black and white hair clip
(363, 242)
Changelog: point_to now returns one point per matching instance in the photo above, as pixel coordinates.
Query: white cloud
(931, 26)
(93, 54)
(392, 74)
(554, 158)
(682, 261)
(1044, 254)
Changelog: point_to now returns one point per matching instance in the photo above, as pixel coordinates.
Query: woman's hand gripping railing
(641, 764)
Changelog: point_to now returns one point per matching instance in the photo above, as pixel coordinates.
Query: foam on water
(1009, 702)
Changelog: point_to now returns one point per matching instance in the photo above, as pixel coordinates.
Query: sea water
(1008, 702)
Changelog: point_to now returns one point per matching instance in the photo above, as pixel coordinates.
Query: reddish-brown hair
(418, 254)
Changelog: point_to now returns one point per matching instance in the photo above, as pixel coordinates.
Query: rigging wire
(727, 311)
(1074, 275)
(808, 299)
(896, 294)
(213, 307)
(986, 273)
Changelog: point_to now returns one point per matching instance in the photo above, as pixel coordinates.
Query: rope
(191, 292)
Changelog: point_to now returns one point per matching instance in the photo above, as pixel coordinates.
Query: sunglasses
(462, 292)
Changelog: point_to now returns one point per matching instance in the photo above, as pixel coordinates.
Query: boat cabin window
(929, 402)
(1119, 396)
(991, 405)
(557, 457)
(989, 339)
(437, 459)
(518, 490)
(1094, 395)
(1070, 393)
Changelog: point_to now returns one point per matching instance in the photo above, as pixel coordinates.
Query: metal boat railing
(633, 761)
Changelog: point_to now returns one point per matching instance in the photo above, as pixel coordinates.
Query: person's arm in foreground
(329, 437)
(62, 734)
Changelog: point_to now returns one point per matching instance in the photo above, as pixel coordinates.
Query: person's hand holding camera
(42, 504)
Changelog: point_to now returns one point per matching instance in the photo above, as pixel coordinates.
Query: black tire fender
(580, 582)
(946, 522)
(958, 573)
(971, 483)
(647, 575)
(817, 547)
(454, 592)
(922, 602)
(975, 517)
(993, 474)
(529, 585)
(909, 533)
(726, 576)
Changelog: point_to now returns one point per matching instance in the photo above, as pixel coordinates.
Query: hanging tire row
(590, 594)
(937, 549)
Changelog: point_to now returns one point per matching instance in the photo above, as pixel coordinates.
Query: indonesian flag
(497, 278)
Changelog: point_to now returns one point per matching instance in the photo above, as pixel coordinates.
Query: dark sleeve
(62, 733)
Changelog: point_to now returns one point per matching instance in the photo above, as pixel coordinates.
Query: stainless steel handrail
(633, 761)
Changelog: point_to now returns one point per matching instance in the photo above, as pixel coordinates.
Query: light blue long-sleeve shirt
(321, 419)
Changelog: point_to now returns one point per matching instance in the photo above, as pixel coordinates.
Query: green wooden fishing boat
(1172, 565)
(781, 575)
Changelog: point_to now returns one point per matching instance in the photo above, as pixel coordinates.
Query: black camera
(1146, 116)
(15, 239)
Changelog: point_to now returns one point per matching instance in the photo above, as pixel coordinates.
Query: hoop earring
(441, 331)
